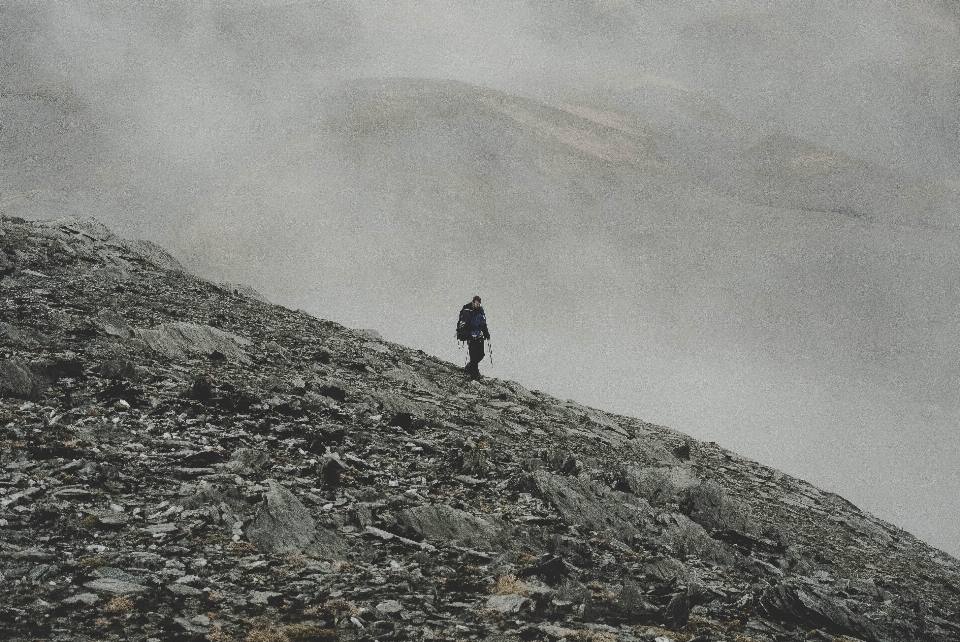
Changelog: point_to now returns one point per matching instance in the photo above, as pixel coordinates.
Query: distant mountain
(181, 461)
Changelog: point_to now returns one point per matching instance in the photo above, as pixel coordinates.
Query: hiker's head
(476, 301)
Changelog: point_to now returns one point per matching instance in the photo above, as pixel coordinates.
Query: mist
(737, 219)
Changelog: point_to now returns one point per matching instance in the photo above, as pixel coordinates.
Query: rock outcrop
(181, 461)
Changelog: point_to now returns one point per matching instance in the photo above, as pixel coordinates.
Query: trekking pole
(491, 351)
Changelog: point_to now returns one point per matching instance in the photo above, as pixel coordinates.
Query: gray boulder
(284, 525)
(115, 586)
(246, 460)
(448, 524)
(181, 340)
(21, 380)
(583, 503)
(506, 603)
(792, 602)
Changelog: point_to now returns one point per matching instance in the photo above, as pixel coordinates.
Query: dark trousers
(476, 356)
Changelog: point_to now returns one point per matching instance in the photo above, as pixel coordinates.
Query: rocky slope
(183, 461)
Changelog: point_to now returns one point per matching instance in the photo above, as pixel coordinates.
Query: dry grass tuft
(526, 559)
(265, 633)
(241, 547)
(92, 562)
(217, 634)
(509, 585)
(119, 604)
(595, 636)
(666, 633)
(338, 607)
(307, 633)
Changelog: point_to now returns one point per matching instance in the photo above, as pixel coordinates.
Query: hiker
(472, 328)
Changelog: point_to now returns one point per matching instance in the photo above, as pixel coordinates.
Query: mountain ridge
(183, 461)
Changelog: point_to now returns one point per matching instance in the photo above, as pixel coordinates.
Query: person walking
(472, 328)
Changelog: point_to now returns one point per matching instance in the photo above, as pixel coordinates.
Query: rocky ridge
(179, 460)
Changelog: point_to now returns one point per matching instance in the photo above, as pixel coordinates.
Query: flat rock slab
(449, 524)
(190, 627)
(72, 492)
(183, 340)
(118, 587)
(284, 525)
(389, 606)
(184, 590)
(506, 603)
(20, 379)
(387, 536)
(82, 598)
(263, 597)
(110, 517)
(246, 459)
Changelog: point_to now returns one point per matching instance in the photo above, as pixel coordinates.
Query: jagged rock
(628, 605)
(242, 289)
(678, 610)
(582, 503)
(7, 266)
(182, 340)
(330, 469)
(21, 380)
(113, 585)
(88, 599)
(710, 506)
(183, 590)
(551, 569)
(555, 632)
(119, 369)
(111, 517)
(449, 524)
(389, 607)
(113, 324)
(659, 485)
(506, 603)
(690, 538)
(264, 597)
(284, 525)
(190, 627)
(246, 460)
(413, 378)
(10, 334)
(788, 601)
